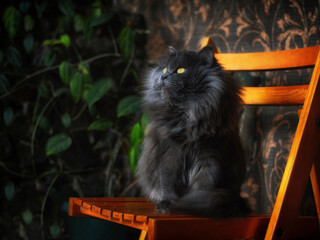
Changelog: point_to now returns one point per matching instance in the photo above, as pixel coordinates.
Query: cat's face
(180, 76)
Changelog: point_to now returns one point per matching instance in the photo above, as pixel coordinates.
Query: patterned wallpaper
(244, 26)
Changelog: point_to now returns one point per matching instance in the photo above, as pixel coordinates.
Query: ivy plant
(71, 120)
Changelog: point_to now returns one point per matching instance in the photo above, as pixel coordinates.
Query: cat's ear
(206, 53)
(172, 50)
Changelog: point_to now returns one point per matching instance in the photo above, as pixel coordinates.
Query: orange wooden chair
(303, 160)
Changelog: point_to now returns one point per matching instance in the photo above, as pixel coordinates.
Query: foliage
(71, 122)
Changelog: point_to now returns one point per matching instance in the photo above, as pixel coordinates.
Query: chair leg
(315, 181)
(303, 151)
(288, 201)
(143, 235)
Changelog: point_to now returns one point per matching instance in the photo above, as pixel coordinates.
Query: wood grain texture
(303, 152)
(291, 95)
(276, 60)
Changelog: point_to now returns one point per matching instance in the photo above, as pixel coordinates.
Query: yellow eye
(181, 70)
(164, 70)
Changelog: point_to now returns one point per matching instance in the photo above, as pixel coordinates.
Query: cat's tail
(214, 204)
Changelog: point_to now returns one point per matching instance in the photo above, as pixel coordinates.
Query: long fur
(192, 160)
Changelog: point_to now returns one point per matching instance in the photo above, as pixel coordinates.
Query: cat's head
(181, 76)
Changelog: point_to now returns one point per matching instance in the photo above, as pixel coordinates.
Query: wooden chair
(303, 161)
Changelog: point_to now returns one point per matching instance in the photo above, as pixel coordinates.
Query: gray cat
(192, 159)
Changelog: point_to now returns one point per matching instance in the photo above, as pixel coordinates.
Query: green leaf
(64, 23)
(24, 6)
(65, 40)
(58, 143)
(66, 7)
(127, 41)
(98, 90)
(136, 135)
(87, 29)
(97, 8)
(9, 190)
(100, 124)
(93, 111)
(65, 72)
(8, 116)
(134, 155)
(78, 23)
(60, 91)
(101, 19)
(27, 216)
(76, 86)
(13, 57)
(47, 42)
(44, 123)
(49, 58)
(42, 7)
(11, 20)
(84, 68)
(145, 121)
(28, 23)
(128, 105)
(66, 120)
(55, 230)
(65, 207)
(43, 90)
(28, 43)
(4, 84)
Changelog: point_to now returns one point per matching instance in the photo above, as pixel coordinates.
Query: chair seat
(141, 214)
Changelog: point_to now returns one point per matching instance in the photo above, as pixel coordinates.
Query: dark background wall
(244, 26)
(234, 25)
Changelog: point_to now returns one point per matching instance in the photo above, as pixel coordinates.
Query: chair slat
(277, 60)
(289, 95)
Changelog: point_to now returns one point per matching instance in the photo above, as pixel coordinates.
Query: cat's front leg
(167, 181)
(207, 171)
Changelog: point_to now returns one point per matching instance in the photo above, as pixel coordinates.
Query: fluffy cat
(192, 159)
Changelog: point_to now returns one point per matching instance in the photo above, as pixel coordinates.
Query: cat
(192, 160)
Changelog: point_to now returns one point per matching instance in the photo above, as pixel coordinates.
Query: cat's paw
(163, 206)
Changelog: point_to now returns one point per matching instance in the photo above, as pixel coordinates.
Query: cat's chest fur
(181, 164)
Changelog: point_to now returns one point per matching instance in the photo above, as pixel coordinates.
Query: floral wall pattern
(244, 26)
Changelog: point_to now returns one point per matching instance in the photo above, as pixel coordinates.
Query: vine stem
(113, 40)
(126, 70)
(35, 130)
(16, 86)
(84, 107)
(44, 204)
(129, 187)
(109, 168)
(4, 166)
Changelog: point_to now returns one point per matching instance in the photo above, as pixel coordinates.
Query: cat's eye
(164, 70)
(181, 70)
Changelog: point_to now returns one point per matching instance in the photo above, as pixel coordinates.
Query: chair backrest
(270, 61)
(306, 144)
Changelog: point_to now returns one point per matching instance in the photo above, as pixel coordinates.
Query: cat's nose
(163, 77)
(163, 80)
